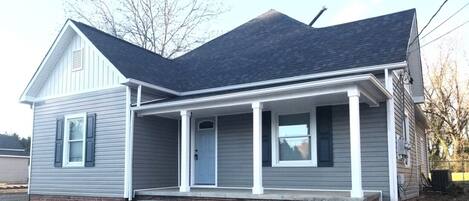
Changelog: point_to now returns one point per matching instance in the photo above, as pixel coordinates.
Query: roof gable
(54, 76)
(131, 60)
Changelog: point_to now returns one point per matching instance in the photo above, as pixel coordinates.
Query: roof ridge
(365, 19)
(117, 38)
(258, 17)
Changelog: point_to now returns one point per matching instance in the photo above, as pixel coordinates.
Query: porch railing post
(355, 151)
(185, 135)
(257, 148)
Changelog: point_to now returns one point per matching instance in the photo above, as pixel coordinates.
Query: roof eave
(225, 99)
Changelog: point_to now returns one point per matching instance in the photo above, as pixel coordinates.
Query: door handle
(196, 156)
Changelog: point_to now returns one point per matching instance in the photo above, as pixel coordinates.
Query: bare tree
(166, 27)
(447, 109)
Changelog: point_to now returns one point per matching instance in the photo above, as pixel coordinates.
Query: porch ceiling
(290, 97)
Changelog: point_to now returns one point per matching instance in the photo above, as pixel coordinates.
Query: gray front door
(204, 151)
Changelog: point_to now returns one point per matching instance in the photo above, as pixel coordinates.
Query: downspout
(392, 163)
(128, 146)
(33, 107)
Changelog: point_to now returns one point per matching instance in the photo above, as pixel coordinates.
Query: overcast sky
(28, 28)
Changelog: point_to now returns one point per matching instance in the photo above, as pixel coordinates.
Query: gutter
(390, 66)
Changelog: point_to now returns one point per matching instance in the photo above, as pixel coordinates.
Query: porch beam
(370, 100)
(185, 147)
(355, 145)
(257, 148)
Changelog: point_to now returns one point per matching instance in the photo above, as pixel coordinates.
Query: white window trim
(66, 145)
(82, 54)
(313, 135)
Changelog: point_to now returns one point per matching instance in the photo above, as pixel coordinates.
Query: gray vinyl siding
(107, 177)
(155, 154)
(410, 185)
(235, 155)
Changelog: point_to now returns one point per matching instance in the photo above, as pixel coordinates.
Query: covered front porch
(232, 163)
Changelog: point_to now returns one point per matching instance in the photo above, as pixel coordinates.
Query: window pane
(297, 148)
(293, 125)
(206, 125)
(76, 150)
(76, 128)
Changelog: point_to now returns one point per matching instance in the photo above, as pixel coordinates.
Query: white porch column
(185, 150)
(355, 151)
(257, 148)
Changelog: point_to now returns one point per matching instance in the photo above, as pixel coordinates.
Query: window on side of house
(293, 139)
(74, 140)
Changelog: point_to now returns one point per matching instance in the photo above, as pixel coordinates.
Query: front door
(204, 151)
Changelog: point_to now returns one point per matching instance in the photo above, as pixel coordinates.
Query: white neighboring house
(14, 161)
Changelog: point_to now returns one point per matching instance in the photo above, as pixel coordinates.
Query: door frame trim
(192, 164)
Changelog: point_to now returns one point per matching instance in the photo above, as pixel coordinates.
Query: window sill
(294, 164)
(73, 165)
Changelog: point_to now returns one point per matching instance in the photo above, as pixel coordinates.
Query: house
(14, 161)
(273, 109)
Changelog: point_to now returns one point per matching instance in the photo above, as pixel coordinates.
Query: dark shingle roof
(270, 46)
(131, 60)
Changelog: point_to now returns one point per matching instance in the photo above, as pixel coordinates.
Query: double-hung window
(74, 140)
(293, 140)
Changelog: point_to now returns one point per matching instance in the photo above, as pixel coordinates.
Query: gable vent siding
(80, 68)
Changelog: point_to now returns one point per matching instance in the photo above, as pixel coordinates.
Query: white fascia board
(24, 98)
(364, 69)
(328, 86)
(130, 81)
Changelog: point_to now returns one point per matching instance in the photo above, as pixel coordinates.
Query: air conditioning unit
(401, 148)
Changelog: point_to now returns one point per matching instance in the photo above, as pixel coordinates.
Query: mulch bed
(438, 196)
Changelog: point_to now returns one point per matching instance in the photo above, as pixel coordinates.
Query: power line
(441, 36)
(446, 20)
(433, 16)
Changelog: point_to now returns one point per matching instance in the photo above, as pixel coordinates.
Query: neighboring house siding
(106, 178)
(155, 154)
(14, 169)
(235, 155)
(96, 72)
(409, 185)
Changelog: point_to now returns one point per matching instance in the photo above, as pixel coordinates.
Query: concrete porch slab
(245, 194)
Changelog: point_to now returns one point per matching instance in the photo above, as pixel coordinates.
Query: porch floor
(245, 194)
